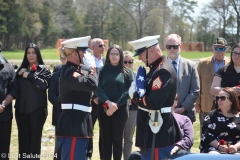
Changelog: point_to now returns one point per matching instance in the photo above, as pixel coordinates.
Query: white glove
(174, 150)
(88, 60)
(132, 89)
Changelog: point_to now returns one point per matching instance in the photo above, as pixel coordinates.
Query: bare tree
(236, 6)
(182, 18)
(138, 10)
(220, 13)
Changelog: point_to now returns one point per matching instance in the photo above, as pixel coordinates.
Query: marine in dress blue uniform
(76, 86)
(155, 105)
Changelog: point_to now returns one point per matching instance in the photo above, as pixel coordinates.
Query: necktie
(175, 65)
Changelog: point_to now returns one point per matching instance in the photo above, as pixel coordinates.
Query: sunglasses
(101, 45)
(235, 54)
(222, 98)
(172, 46)
(128, 62)
(219, 49)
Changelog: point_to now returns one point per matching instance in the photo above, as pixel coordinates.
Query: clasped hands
(112, 107)
(23, 72)
(232, 149)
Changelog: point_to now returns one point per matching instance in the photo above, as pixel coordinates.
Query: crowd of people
(161, 104)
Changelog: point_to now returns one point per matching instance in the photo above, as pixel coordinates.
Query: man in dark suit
(57, 67)
(97, 46)
(54, 98)
(187, 75)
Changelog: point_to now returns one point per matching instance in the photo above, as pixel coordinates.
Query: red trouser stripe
(72, 148)
(156, 153)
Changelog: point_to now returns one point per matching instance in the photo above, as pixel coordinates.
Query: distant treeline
(45, 21)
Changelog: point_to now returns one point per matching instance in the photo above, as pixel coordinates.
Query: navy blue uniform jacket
(76, 90)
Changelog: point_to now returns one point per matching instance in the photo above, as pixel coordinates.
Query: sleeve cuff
(30, 76)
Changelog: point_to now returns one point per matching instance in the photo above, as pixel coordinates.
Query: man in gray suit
(188, 79)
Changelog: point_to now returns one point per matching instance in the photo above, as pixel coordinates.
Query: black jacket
(54, 96)
(57, 67)
(161, 88)
(7, 75)
(76, 90)
(30, 93)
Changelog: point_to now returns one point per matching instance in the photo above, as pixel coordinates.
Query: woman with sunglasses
(128, 61)
(228, 75)
(221, 127)
(112, 92)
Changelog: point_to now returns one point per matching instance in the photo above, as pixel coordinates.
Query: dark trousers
(112, 131)
(5, 137)
(30, 128)
(90, 144)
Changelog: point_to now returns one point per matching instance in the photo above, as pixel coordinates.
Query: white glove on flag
(132, 89)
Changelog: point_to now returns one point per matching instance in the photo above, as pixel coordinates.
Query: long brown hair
(230, 67)
(120, 65)
(233, 97)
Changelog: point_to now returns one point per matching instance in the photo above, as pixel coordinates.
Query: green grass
(18, 54)
(52, 54)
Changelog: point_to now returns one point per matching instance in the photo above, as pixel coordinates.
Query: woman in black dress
(221, 127)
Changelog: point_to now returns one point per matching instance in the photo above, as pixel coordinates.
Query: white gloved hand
(174, 150)
(132, 89)
(88, 60)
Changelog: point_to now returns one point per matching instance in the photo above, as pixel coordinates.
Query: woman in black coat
(30, 85)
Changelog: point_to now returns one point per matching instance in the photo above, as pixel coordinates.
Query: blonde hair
(65, 52)
(174, 36)
(128, 54)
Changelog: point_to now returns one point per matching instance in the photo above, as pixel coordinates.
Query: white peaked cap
(141, 44)
(76, 42)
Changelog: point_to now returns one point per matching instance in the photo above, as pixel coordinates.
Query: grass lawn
(48, 131)
(18, 54)
(52, 54)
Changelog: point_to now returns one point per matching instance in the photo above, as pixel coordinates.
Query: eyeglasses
(222, 98)
(115, 54)
(235, 54)
(172, 46)
(101, 45)
(129, 62)
(219, 49)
